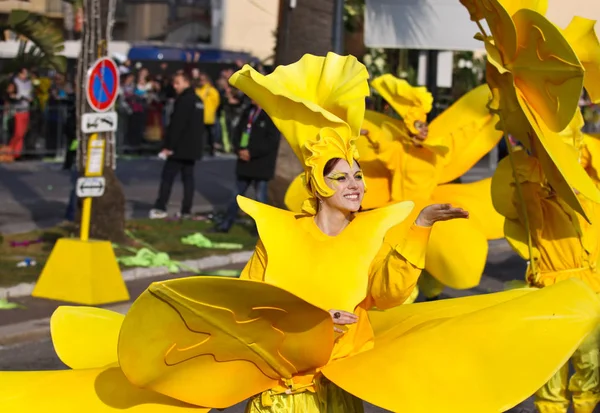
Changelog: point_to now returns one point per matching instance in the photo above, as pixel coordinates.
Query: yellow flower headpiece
(318, 104)
(412, 103)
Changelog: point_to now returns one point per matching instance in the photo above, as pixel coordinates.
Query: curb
(35, 330)
(213, 261)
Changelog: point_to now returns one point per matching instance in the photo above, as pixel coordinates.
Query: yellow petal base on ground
(86, 337)
(472, 356)
(212, 341)
(76, 391)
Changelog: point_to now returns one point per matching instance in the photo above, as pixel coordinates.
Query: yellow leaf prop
(214, 342)
(85, 337)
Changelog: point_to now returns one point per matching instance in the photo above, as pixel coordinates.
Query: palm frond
(40, 42)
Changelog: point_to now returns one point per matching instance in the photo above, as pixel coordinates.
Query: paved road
(35, 194)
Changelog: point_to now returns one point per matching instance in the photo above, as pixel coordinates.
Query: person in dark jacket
(256, 140)
(182, 147)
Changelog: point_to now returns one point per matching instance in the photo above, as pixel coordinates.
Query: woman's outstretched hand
(439, 212)
(342, 318)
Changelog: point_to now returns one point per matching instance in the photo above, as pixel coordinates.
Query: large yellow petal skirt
(469, 351)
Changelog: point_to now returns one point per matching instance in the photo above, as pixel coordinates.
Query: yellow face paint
(339, 177)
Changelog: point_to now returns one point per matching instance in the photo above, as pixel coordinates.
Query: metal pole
(338, 27)
(432, 69)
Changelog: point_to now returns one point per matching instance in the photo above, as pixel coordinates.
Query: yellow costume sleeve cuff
(414, 245)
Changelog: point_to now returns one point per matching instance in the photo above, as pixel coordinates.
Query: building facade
(237, 25)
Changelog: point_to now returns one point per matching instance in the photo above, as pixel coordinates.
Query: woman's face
(423, 129)
(349, 187)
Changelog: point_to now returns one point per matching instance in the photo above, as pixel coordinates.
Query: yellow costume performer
(400, 167)
(213, 342)
(564, 246)
(547, 198)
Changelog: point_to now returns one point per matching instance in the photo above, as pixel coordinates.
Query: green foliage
(353, 15)
(469, 72)
(41, 42)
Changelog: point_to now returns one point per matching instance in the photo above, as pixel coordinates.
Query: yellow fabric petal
(311, 94)
(412, 103)
(502, 188)
(475, 197)
(474, 8)
(377, 121)
(85, 337)
(546, 69)
(456, 253)
(287, 237)
(502, 28)
(506, 103)
(582, 37)
(469, 129)
(512, 6)
(560, 164)
(296, 194)
(214, 342)
(516, 235)
(388, 325)
(470, 358)
(592, 144)
(75, 391)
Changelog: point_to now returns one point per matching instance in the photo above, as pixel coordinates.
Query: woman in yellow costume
(305, 337)
(406, 160)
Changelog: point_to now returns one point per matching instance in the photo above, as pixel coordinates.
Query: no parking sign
(102, 86)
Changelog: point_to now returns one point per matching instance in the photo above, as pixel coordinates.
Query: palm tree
(40, 43)
(108, 211)
(307, 28)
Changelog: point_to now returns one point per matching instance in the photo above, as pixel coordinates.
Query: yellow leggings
(583, 387)
(328, 399)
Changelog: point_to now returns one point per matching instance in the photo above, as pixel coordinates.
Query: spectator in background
(9, 103)
(154, 123)
(137, 121)
(234, 103)
(124, 109)
(182, 147)
(211, 99)
(24, 99)
(256, 140)
(56, 113)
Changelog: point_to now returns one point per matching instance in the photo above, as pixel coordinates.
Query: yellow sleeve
(256, 267)
(396, 268)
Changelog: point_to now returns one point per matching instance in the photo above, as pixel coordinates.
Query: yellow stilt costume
(564, 246)
(209, 342)
(547, 199)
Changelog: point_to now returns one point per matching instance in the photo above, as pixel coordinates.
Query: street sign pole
(94, 167)
(85, 271)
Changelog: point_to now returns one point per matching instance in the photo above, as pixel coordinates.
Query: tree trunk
(108, 211)
(304, 29)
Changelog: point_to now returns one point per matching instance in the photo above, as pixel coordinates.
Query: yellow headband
(318, 104)
(412, 103)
